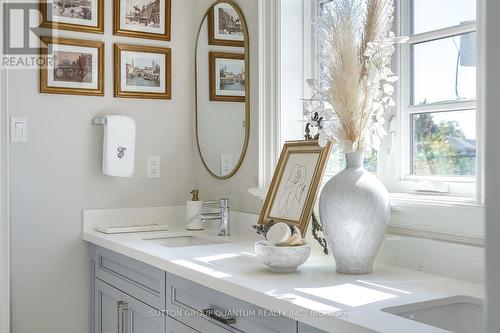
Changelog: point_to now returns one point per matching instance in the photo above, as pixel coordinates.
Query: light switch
(18, 129)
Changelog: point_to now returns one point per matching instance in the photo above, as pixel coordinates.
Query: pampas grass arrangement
(356, 80)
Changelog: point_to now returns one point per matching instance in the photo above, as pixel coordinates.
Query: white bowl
(282, 259)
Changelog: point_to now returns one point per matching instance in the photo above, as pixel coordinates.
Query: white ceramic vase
(354, 208)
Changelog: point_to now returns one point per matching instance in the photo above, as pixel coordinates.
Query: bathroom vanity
(179, 281)
(139, 298)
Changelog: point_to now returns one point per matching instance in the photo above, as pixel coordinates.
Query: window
(432, 143)
(436, 132)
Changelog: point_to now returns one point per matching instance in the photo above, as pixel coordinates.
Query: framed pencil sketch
(142, 18)
(72, 66)
(295, 184)
(143, 72)
(82, 15)
(227, 77)
(225, 27)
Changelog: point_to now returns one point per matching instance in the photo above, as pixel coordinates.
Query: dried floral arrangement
(354, 92)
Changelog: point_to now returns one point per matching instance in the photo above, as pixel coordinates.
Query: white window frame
(458, 215)
(275, 93)
(395, 169)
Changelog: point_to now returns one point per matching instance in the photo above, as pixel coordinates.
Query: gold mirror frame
(246, 48)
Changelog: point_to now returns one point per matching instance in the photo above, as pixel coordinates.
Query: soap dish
(282, 259)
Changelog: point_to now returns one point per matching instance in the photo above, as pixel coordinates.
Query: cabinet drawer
(144, 282)
(175, 326)
(303, 328)
(231, 313)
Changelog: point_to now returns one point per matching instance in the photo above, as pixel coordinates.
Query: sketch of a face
(294, 188)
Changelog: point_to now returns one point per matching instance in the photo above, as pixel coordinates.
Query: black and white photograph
(76, 15)
(225, 26)
(72, 9)
(143, 18)
(142, 14)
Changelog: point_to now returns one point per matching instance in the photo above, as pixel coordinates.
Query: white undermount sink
(183, 240)
(460, 314)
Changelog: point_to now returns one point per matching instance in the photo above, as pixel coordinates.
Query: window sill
(453, 217)
(402, 199)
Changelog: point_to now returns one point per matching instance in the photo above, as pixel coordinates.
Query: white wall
(4, 215)
(57, 174)
(492, 165)
(236, 188)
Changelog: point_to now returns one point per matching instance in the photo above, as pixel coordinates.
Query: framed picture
(295, 184)
(72, 66)
(225, 27)
(227, 77)
(142, 18)
(143, 72)
(82, 15)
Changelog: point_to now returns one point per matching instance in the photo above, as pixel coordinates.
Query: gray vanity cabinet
(117, 312)
(131, 297)
(128, 294)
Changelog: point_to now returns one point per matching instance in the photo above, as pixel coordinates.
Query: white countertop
(354, 303)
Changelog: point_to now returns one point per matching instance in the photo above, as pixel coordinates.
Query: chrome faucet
(222, 216)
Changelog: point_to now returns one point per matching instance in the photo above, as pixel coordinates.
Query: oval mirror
(222, 89)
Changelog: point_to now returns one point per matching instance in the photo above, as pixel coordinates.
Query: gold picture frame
(295, 185)
(54, 82)
(215, 94)
(97, 29)
(164, 35)
(162, 91)
(212, 26)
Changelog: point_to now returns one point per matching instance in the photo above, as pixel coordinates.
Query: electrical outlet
(226, 164)
(154, 166)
